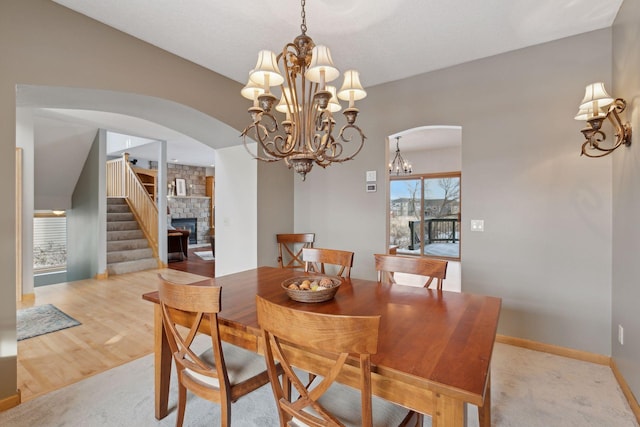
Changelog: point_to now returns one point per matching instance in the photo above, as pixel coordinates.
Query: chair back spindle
(338, 343)
(432, 269)
(316, 258)
(290, 249)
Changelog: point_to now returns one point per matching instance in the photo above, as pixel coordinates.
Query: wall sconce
(597, 106)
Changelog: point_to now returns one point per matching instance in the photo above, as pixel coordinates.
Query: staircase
(127, 248)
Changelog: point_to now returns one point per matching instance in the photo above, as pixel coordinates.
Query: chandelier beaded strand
(305, 136)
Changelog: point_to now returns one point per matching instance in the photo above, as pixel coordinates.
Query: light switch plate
(371, 188)
(477, 225)
(371, 176)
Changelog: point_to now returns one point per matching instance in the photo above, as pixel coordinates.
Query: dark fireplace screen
(190, 224)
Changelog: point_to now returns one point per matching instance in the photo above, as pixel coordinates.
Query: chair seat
(241, 365)
(341, 400)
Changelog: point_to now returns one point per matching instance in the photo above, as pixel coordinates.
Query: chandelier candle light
(399, 164)
(305, 136)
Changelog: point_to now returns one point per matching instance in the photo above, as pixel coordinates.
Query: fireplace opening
(190, 224)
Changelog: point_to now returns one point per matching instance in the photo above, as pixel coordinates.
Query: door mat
(42, 319)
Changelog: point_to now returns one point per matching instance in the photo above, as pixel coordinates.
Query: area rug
(205, 255)
(42, 319)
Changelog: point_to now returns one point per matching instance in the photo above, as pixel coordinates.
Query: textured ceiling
(385, 40)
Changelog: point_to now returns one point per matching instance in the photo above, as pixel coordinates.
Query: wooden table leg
(162, 364)
(447, 412)
(484, 412)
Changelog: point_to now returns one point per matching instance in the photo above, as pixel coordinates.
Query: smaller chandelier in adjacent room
(306, 135)
(596, 106)
(399, 165)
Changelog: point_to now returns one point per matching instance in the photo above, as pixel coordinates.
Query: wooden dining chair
(315, 259)
(330, 338)
(290, 249)
(432, 269)
(221, 374)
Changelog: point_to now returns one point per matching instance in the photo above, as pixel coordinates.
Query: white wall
(25, 140)
(254, 202)
(436, 160)
(236, 211)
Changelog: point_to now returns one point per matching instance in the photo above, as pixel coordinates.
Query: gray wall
(626, 202)
(547, 246)
(44, 44)
(275, 209)
(49, 278)
(83, 219)
(547, 241)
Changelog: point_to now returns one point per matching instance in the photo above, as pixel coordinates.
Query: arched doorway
(424, 203)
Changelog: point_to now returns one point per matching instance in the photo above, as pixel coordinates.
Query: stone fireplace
(190, 224)
(194, 205)
(194, 210)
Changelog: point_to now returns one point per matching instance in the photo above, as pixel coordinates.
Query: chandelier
(306, 135)
(399, 164)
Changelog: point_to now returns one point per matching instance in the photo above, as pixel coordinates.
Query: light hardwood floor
(117, 327)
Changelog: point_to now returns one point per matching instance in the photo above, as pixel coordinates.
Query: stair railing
(122, 181)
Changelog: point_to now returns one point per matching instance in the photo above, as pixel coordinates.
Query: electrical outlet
(620, 334)
(477, 225)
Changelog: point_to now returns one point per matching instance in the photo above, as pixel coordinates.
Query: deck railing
(122, 181)
(435, 230)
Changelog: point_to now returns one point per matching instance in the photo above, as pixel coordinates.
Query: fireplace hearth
(190, 224)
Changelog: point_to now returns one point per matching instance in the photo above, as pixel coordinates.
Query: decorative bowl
(324, 292)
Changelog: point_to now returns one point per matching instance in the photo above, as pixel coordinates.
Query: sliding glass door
(424, 215)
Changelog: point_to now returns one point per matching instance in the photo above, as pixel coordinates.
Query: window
(49, 243)
(424, 215)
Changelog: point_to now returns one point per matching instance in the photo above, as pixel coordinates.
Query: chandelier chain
(303, 26)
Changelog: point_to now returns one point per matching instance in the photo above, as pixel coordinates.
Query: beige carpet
(539, 389)
(529, 389)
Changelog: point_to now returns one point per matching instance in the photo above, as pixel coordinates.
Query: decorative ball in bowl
(311, 288)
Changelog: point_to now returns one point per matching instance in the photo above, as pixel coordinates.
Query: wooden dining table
(434, 347)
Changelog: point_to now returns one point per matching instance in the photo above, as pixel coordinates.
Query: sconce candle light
(596, 106)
